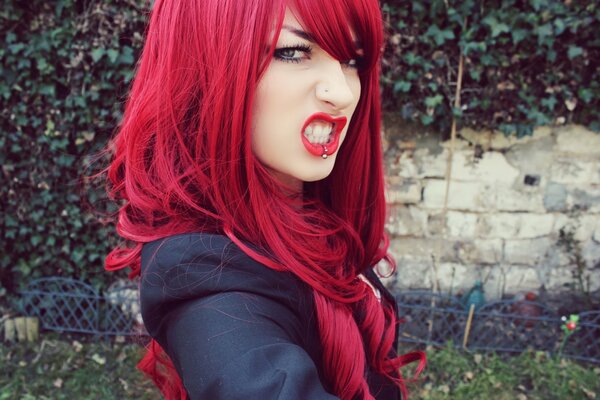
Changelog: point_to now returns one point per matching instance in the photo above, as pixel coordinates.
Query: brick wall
(508, 200)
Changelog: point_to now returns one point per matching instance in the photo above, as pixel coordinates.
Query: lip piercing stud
(324, 155)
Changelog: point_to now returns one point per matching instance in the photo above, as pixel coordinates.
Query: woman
(249, 168)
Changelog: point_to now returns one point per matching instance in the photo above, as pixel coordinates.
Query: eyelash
(303, 48)
(307, 50)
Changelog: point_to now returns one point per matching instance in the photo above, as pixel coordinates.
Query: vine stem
(449, 162)
(563, 343)
(461, 61)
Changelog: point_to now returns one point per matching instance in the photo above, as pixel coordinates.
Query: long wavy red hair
(182, 162)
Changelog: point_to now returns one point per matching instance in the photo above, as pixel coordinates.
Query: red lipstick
(329, 148)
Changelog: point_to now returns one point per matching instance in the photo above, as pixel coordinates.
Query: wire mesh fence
(69, 305)
(501, 326)
(429, 319)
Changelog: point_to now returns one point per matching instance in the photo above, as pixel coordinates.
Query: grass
(58, 367)
(452, 374)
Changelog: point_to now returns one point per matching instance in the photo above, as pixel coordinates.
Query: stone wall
(508, 200)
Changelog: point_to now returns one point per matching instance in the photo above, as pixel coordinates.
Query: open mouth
(321, 134)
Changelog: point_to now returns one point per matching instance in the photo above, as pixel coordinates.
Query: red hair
(183, 163)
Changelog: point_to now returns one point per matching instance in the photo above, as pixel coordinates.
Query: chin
(315, 176)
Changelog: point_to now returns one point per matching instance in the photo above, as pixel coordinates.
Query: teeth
(318, 132)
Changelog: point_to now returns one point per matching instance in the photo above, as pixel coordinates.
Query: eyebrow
(300, 33)
(307, 36)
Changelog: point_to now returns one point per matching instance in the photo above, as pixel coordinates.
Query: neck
(290, 186)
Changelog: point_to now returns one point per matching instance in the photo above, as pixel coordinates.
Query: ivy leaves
(117, 56)
(438, 35)
(64, 64)
(526, 64)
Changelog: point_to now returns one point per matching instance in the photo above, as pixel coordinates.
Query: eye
(293, 54)
(358, 62)
(354, 63)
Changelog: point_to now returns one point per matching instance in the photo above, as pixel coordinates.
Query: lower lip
(318, 150)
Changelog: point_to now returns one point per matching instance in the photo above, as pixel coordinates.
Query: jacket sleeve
(231, 326)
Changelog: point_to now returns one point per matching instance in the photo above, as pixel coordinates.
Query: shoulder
(183, 264)
(231, 325)
(192, 266)
(170, 253)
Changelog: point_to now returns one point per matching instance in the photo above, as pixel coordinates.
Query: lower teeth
(315, 140)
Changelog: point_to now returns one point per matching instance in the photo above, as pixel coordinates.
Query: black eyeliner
(301, 47)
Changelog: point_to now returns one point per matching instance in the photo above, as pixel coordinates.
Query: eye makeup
(294, 53)
(302, 51)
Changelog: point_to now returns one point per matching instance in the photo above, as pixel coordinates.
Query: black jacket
(234, 328)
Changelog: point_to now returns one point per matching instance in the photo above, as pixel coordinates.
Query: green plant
(84, 368)
(65, 64)
(568, 327)
(60, 369)
(452, 374)
(571, 247)
(526, 63)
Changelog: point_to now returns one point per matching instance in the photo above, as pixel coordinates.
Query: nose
(334, 86)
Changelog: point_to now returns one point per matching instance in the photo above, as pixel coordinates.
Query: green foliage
(65, 64)
(451, 374)
(572, 248)
(526, 63)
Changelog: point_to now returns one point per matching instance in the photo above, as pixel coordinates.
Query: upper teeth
(318, 132)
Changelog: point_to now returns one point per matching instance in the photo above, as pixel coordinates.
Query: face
(303, 106)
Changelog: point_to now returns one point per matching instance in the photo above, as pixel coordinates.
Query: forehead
(292, 24)
(290, 20)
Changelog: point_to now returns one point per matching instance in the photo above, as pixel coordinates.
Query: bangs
(332, 23)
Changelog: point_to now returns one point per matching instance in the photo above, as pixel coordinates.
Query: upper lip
(338, 122)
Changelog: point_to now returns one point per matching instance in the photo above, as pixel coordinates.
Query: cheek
(272, 122)
(272, 97)
(355, 87)
(262, 113)
(278, 103)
